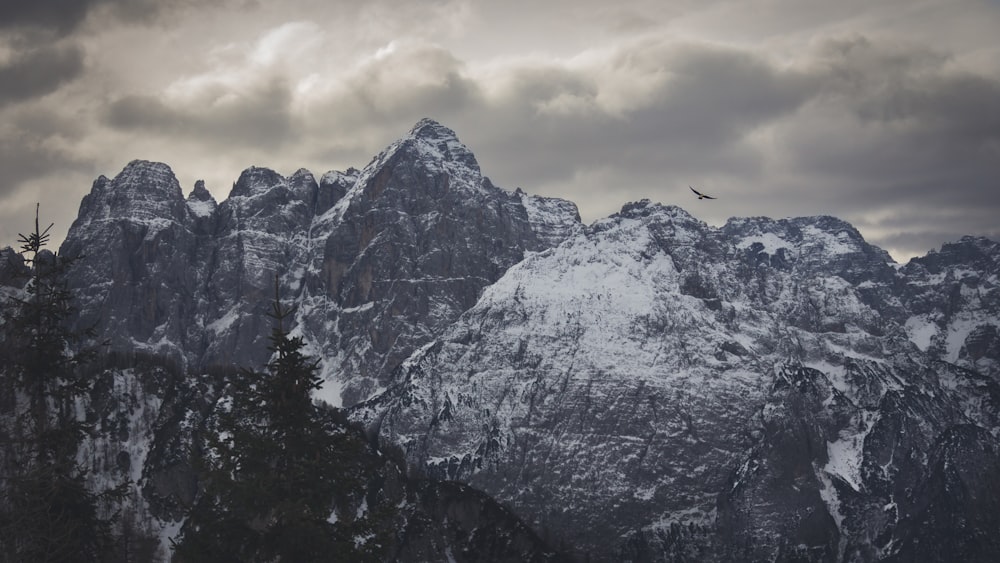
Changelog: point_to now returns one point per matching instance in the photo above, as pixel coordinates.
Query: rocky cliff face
(379, 260)
(951, 303)
(410, 248)
(657, 389)
(647, 388)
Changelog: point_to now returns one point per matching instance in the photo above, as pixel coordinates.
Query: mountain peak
(646, 207)
(143, 190)
(428, 128)
(147, 166)
(200, 192)
(967, 252)
(144, 176)
(254, 181)
(436, 143)
(647, 210)
(200, 201)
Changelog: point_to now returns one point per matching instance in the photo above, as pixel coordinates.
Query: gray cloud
(20, 162)
(856, 128)
(37, 166)
(60, 16)
(259, 116)
(894, 127)
(697, 105)
(913, 87)
(27, 154)
(717, 94)
(914, 230)
(797, 109)
(409, 80)
(37, 72)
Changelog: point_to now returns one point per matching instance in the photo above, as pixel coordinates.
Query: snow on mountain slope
(577, 379)
(613, 387)
(547, 216)
(408, 248)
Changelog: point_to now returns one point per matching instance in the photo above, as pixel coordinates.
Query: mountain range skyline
(644, 388)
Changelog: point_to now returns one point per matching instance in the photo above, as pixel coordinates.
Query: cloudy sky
(884, 113)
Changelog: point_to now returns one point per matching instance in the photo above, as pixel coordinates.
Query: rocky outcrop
(137, 273)
(951, 303)
(13, 270)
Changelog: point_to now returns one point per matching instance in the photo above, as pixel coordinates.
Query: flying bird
(701, 195)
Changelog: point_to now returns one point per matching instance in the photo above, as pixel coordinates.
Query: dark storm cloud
(61, 17)
(258, 116)
(914, 87)
(44, 54)
(894, 126)
(650, 109)
(715, 95)
(139, 111)
(25, 157)
(916, 230)
(150, 12)
(38, 72)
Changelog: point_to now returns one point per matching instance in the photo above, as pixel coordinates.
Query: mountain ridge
(563, 346)
(647, 387)
(294, 227)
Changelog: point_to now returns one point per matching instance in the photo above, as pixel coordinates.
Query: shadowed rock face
(954, 516)
(417, 240)
(13, 270)
(378, 261)
(137, 276)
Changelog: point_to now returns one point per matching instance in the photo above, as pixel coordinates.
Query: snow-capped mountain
(655, 388)
(646, 388)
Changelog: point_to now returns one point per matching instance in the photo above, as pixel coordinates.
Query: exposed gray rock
(648, 388)
(658, 389)
(410, 248)
(379, 261)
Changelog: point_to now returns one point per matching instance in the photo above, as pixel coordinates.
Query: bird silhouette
(701, 195)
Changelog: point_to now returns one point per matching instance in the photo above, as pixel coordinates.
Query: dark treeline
(48, 511)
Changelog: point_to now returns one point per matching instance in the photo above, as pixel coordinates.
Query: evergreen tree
(275, 466)
(47, 512)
